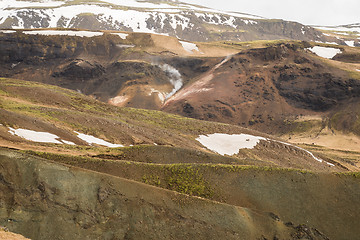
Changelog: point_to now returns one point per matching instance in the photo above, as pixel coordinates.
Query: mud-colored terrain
(46, 200)
(158, 181)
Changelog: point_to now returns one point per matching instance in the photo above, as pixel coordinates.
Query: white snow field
(7, 31)
(350, 28)
(68, 142)
(350, 43)
(35, 136)
(226, 144)
(46, 137)
(94, 140)
(109, 12)
(161, 6)
(121, 35)
(189, 47)
(83, 33)
(64, 33)
(325, 52)
(29, 4)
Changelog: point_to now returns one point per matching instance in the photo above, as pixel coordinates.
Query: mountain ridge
(178, 19)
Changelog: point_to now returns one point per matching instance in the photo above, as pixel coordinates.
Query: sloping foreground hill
(44, 200)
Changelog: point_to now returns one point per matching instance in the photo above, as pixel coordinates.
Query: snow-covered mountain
(349, 28)
(185, 21)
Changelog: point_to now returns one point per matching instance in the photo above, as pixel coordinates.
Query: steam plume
(174, 78)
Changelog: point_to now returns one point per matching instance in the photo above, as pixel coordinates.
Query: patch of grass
(67, 159)
(188, 180)
(353, 74)
(349, 174)
(264, 43)
(303, 126)
(240, 168)
(3, 92)
(347, 120)
(30, 110)
(152, 180)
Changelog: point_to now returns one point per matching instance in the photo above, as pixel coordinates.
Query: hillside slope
(61, 177)
(73, 120)
(60, 202)
(278, 87)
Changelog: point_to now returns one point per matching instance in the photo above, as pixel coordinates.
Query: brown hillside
(60, 202)
(262, 88)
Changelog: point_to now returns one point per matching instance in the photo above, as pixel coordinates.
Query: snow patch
(35, 136)
(7, 31)
(28, 4)
(350, 43)
(68, 142)
(14, 64)
(138, 4)
(302, 149)
(121, 35)
(333, 43)
(226, 144)
(325, 52)
(217, 19)
(340, 28)
(125, 46)
(54, 13)
(308, 152)
(94, 140)
(248, 21)
(189, 47)
(65, 33)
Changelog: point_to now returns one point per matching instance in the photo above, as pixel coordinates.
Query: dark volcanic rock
(80, 69)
